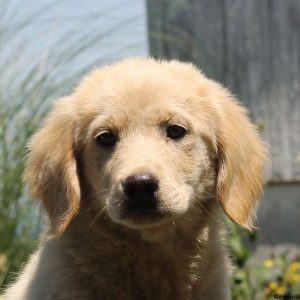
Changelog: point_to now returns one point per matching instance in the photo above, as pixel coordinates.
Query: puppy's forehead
(135, 94)
(140, 93)
(138, 114)
(144, 91)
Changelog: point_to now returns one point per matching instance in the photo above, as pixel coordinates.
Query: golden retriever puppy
(134, 169)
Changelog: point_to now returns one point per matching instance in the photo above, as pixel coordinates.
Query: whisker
(94, 204)
(97, 216)
(100, 192)
(95, 196)
(211, 195)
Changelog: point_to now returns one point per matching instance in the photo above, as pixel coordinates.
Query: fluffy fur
(89, 251)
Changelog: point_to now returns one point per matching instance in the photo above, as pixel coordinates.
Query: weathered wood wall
(253, 47)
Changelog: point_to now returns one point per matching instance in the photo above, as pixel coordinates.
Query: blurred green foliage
(277, 275)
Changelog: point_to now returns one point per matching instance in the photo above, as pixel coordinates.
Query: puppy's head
(154, 139)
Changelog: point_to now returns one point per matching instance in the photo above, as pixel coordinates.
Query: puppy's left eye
(106, 139)
(176, 132)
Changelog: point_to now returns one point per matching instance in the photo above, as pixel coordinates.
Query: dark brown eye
(106, 139)
(176, 132)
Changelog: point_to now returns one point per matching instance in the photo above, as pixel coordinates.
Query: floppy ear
(241, 157)
(51, 170)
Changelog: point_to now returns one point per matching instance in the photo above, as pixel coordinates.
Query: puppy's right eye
(176, 132)
(106, 139)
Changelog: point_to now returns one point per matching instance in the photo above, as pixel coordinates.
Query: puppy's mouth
(145, 215)
(140, 213)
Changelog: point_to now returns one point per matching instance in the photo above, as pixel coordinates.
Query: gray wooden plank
(253, 47)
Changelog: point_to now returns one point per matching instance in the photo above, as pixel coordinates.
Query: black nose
(140, 186)
(141, 192)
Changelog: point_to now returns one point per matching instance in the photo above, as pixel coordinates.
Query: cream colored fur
(89, 251)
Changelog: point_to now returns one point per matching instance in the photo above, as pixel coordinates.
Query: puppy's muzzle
(141, 194)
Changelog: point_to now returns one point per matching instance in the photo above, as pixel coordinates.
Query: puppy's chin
(151, 228)
(147, 221)
(141, 220)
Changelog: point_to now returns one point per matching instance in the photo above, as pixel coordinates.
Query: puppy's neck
(166, 251)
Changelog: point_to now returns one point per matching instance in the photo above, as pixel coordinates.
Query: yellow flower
(295, 278)
(269, 263)
(292, 274)
(273, 285)
(295, 267)
(281, 290)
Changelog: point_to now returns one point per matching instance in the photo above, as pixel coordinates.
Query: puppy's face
(145, 155)
(154, 139)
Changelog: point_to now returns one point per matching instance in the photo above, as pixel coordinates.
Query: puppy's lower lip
(144, 214)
